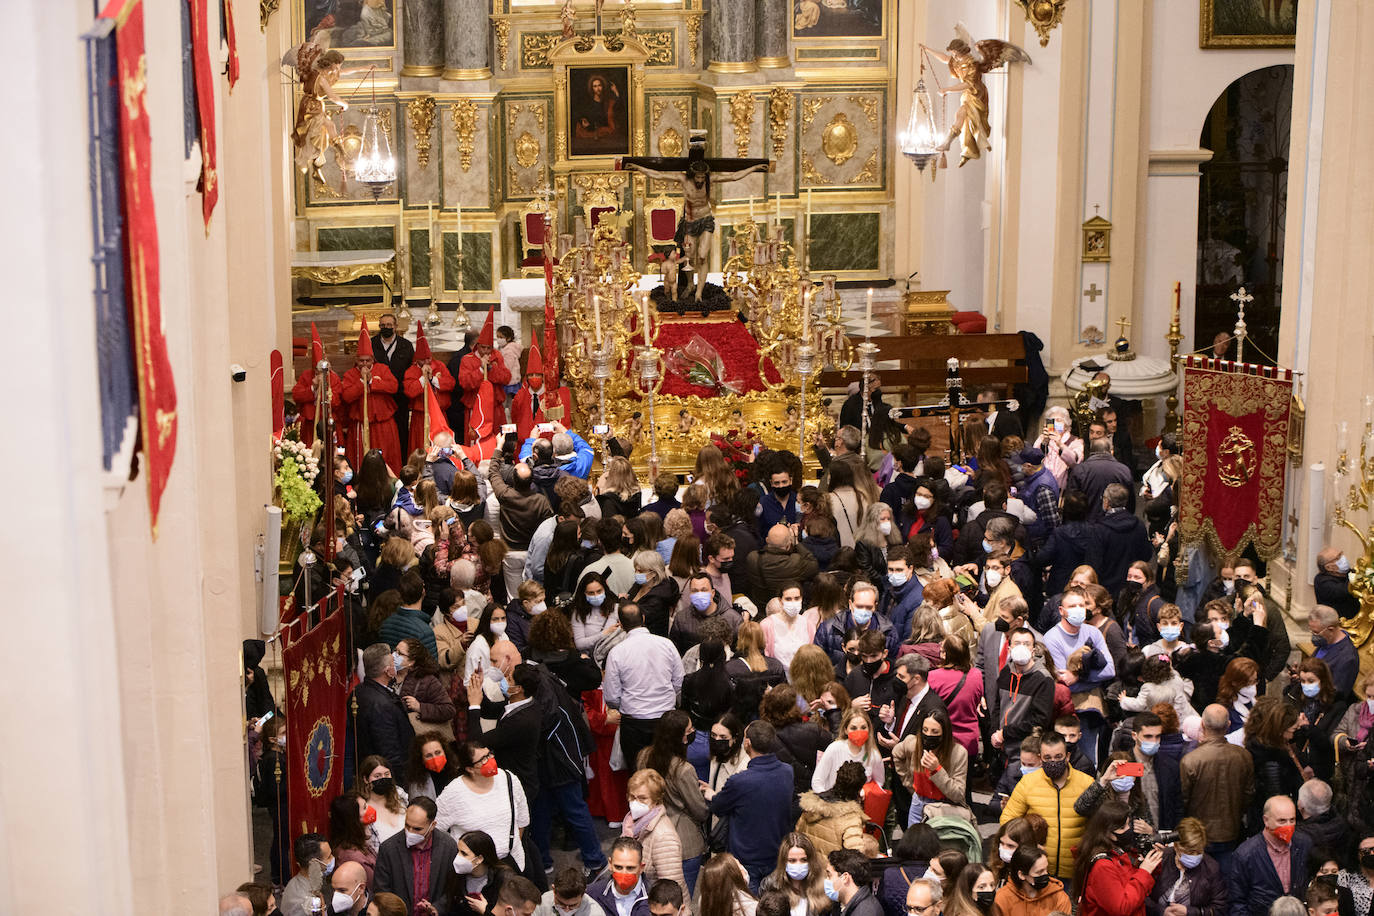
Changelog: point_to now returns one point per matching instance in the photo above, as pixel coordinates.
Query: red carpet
(739, 353)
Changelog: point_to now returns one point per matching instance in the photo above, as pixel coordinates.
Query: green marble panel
(476, 261)
(419, 258)
(356, 238)
(845, 242)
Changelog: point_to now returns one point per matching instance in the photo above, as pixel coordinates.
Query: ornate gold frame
(1208, 39)
(1095, 228)
(566, 56)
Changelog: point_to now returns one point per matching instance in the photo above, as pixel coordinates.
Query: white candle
(460, 228)
(777, 211)
(1341, 440)
(808, 228)
(644, 309)
(429, 225)
(596, 316)
(806, 314)
(1368, 411)
(868, 315)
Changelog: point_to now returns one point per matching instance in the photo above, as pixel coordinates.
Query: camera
(1144, 842)
(237, 372)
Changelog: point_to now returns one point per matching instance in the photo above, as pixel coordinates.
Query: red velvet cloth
(738, 350)
(534, 230)
(662, 224)
(316, 668)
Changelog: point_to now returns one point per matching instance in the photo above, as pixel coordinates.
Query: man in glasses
(923, 897)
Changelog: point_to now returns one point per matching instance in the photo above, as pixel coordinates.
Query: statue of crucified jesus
(698, 224)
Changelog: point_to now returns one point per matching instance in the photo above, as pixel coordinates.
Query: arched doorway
(1242, 205)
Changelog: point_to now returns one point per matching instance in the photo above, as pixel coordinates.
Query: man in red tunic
(481, 375)
(305, 395)
(425, 373)
(534, 398)
(375, 379)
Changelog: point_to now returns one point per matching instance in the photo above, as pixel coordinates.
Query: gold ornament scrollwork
(670, 143)
(265, 10)
(512, 114)
(526, 150)
(656, 112)
(869, 105)
(779, 114)
(840, 139)
(809, 173)
(465, 126)
(810, 107)
(502, 43)
(742, 117)
(869, 173)
(693, 38)
(384, 119)
(421, 114)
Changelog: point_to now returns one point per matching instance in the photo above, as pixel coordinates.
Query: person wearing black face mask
(1030, 889)
(779, 504)
(936, 766)
(973, 893)
(1106, 876)
(720, 561)
(397, 353)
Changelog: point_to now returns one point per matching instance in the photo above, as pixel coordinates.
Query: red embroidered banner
(315, 668)
(157, 393)
(1235, 452)
(205, 103)
(231, 39)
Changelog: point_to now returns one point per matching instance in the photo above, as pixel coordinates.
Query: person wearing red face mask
(349, 834)
(535, 398)
(482, 798)
(621, 890)
(430, 767)
(1271, 864)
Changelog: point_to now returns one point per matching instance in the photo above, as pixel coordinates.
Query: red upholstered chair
(662, 214)
(970, 322)
(598, 212)
(533, 230)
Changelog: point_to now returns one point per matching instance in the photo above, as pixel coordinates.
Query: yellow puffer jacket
(1036, 793)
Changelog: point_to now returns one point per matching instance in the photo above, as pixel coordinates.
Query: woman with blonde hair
(618, 489)
(811, 669)
(715, 475)
(856, 742)
(1061, 447)
(648, 823)
(800, 874)
(723, 888)
(751, 672)
(654, 591)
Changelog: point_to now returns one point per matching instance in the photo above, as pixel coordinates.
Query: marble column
(770, 33)
(467, 52)
(732, 36)
(422, 31)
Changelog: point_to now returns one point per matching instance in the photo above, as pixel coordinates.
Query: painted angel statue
(968, 60)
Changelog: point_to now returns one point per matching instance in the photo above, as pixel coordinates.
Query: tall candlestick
(460, 228)
(808, 229)
(806, 314)
(644, 311)
(868, 315)
(777, 212)
(1178, 292)
(596, 316)
(1368, 411)
(1341, 438)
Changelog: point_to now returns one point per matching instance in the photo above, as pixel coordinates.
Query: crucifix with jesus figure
(952, 408)
(695, 173)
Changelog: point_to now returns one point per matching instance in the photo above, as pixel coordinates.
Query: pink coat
(963, 711)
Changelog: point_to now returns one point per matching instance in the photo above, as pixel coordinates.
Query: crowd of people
(910, 688)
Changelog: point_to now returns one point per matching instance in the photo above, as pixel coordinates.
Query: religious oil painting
(1248, 23)
(598, 111)
(353, 23)
(837, 18)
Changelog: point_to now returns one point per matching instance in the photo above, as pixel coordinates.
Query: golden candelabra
(1358, 499)
(619, 372)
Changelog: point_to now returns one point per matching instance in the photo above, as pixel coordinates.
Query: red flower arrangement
(738, 449)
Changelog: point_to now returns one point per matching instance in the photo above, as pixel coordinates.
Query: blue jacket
(580, 466)
(1251, 881)
(899, 605)
(600, 891)
(761, 796)
(830, 635)
(771, 513)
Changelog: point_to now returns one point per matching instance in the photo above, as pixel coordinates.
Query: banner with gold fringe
(157, 393)
(205, 104)
(315, 668)
(1235, 451)
(231, 41)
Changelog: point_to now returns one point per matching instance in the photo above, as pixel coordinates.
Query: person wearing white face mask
(568, 896)
(786, 629)
(873, 536)
(661, 849)
(1074, 633)
(348, 889)
(520, 613)
(1332, 583)
(1188, 871)
(1024, 698)
(315, 859)
(419, 849)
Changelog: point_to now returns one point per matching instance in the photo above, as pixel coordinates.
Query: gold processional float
(616, 376)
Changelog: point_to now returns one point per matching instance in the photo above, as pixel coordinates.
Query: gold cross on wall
(1092, 292)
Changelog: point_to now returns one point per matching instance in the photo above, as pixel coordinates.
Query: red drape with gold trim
(315, 667)
(157, 393)
(232, 40)
(205, 103)
(1235, 451)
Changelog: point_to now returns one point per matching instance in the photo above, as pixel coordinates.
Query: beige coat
(448, 638)
(684, 804)
(662, 850)
(831, 825)
(950, 780)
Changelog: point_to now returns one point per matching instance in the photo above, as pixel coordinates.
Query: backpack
(568, 739)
